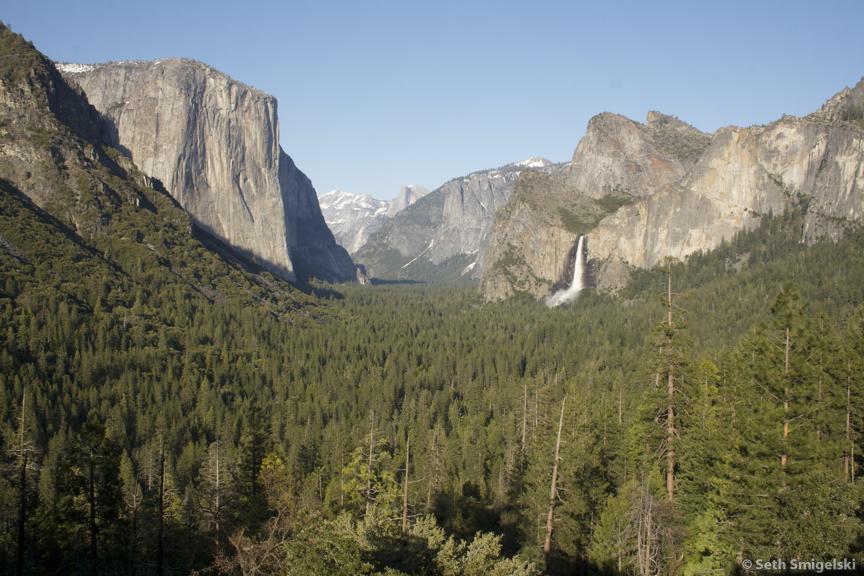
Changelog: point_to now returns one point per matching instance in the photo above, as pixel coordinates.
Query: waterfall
(571, 292)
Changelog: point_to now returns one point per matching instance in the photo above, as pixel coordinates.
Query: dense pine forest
(706, 415)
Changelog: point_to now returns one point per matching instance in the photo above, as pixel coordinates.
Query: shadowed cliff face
(665, 189)
(214, 143)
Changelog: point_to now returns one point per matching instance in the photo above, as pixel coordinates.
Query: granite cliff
(814, 163)
(214, 144)
(444, 235)
(616, 163)
(642, 193)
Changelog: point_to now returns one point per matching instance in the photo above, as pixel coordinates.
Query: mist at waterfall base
(570, 293)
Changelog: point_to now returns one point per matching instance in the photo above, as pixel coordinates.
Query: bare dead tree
(160, 532)
(849, 455)
(553, 488)
(523, 445)
(23, 452)
(369, 494)
(647, 534)
(784, 457)
(670, 396)
(433, 466)
(405, 486)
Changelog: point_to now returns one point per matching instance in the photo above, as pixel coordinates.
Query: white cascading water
(571, 292)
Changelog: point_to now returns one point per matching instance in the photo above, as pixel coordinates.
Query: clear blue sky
(376, 94)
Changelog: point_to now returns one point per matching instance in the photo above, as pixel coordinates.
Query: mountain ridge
(671, 190)
(442, 237)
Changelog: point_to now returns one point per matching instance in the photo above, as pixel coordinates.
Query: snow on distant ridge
(339, 199)
(73, 68)
(534, 162)
(352, 217)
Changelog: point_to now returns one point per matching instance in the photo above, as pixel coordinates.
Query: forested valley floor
(151, 426)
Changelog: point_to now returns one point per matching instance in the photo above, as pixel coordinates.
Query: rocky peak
(655, 118)
(341, 200)
(407, 196)
(845, 106)
(621, 157)
(445, 234)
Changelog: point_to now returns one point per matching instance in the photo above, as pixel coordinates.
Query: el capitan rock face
(214, 143)
(665, 189)
(76, 211)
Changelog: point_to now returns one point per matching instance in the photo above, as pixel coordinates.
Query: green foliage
(462, 378)
(582, 221)
(358, 483)
(171, 387)
(373, 546)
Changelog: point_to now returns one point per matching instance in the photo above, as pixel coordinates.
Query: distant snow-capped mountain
(352, 217)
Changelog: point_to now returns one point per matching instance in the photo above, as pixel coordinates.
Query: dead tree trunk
(370, 463)
(784, 457)
(160, 544)
(150, 469)
(646, 535)
(524, 424)
(536, 413)
(553, 488)
(670, 396)
(432, 468)
(849, 453)
(217, 513)
(405, 486)
(22, 498)
(91, 496)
